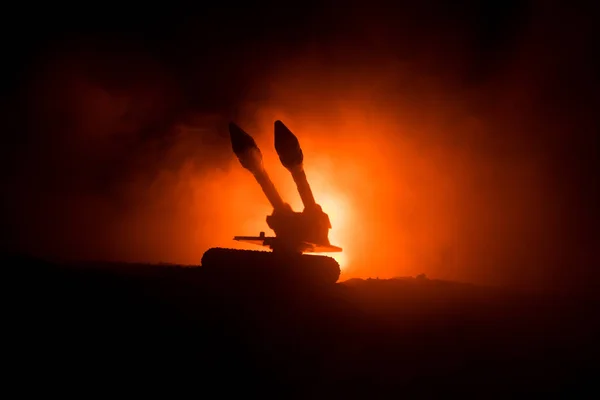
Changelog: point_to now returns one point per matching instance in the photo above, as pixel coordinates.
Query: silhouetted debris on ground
(111, 326)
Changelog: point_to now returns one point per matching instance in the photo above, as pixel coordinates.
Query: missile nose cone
(245, 148)
(287, 146)
(240, 140)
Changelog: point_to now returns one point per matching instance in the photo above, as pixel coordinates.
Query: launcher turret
(295, 232)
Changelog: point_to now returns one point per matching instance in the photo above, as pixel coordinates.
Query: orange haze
(418, 172)
(407, 179)
(410, 187)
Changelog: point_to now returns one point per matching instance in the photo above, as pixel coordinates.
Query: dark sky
(201, 60)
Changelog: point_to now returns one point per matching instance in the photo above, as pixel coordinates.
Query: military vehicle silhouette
(296, 233)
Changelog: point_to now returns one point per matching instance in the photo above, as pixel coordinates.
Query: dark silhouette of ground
(117, 328)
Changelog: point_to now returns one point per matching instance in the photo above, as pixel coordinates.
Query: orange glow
(400, 203)
(340, 184)
(327, 190)
(340, 216)
(413, 180)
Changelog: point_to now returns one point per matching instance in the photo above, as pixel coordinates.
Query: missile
(290, 154)
(287, 146)
(250, 156)
(245, 148)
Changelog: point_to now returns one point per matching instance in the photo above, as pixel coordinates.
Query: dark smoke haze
(462, 139)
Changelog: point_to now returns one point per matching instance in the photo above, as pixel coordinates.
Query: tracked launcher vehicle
(296, 233)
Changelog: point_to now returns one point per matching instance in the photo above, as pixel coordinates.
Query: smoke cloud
(429, 155)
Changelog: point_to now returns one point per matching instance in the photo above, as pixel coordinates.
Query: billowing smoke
(430, 153)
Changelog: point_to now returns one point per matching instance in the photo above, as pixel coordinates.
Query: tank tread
(266, 266)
